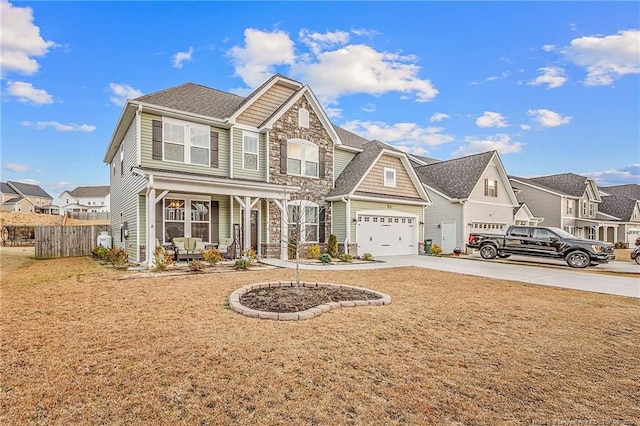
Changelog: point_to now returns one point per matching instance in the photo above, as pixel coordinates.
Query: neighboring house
(195, 161)
(568, 201)
(24, 197)
(90, 199)
(469, 194)
(622, 202)
(523, 216)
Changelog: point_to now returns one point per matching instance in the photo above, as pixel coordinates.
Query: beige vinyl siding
(147, 161)
(543, 204)
(374, 181)
(238, 153)
(338, 219)
(341, 159)
(263, 107)
(357, 205)
(442, 210)
(124, 194)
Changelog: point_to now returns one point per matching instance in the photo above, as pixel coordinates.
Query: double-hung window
(250, 150)
(490, 188)
(186, 142)
(303, 158)
(304, 221)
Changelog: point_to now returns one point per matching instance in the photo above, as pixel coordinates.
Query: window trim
(491, 191)
(187, 199)
(257, 153)
(388, 183)
(303, 205)
(303, 118)
(186, 145)
(303, 143)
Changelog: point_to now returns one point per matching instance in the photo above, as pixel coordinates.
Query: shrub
(292, 247)
(436, 250)
(367, 256)
(99, 252)
(332, 246)
(117, 257)
(346, 257)
(242, 264)
(324, 258)
(251, 255)
(314, 251)
(162, 259)
(196, 265)
(212, 256)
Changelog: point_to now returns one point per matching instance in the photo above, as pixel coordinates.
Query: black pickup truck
(543, 242)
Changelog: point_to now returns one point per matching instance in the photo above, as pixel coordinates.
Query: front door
(448, 237)
(253, 230)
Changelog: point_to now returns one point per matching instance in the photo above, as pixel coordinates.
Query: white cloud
(525, 127)
(491, 119)
(364, 32)
(548, 48)
(553, 77)
(350, 69)
(369, 108)
(501, 76)
(333, 112)
(438, 116)
(606, 57)
(21, 40)
(623, 175)
(409, 137)
(181, 57)
(59, 127)
(548, 118)
(262, 51)
(26, 93)
(121, 92)
(15, 167)
(500, 142)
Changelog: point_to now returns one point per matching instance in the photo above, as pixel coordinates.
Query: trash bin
(427, 247)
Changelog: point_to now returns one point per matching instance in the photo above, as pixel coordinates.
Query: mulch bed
(296, 299)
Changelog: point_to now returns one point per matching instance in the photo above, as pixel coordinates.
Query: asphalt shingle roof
(25, 188)
(631, 190)
(618, 206)
(354, 171)
(455, 178)
(566, 183)
(350, 139)
(90, 191)
(196, 99)
(6, 189)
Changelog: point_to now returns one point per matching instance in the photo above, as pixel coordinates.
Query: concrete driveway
(551, 274)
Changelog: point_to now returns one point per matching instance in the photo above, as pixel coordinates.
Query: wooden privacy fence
(88, 215)
(67, 241)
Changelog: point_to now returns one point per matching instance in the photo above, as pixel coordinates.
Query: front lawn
(80, 346)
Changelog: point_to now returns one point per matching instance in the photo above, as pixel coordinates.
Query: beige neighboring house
(87, 199)
(622, 203)
(25, 197)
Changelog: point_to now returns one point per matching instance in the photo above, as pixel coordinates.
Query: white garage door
(632, 234)
(383, 235)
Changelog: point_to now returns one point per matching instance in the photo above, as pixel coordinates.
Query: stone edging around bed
(234, 301)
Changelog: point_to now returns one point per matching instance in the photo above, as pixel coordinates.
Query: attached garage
(632, 234)
(386, 233)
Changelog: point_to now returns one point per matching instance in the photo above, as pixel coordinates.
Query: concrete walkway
(545, 274)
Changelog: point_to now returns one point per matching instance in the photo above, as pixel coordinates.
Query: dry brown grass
(29, 219)
(80, 346)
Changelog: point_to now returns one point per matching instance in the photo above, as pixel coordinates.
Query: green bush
(346, 257)
(117, 257)
(196, 265)
(314, 251)
(332, 246)
(324, 258)
(292, 247)
(436, 250)
(242, 264)
(162, 259)
(212, 256)
(99, 252)
(367, 256)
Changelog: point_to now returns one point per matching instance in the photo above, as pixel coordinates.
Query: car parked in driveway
(543, 242)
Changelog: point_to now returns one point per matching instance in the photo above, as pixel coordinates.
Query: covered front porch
(606, 231)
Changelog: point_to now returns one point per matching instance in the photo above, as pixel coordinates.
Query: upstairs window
(592, 209)
(490, 188)
(303, 158)
(584, 208)
(570, 206)
(185, 142)
(250, 150)
(303, 118)
(121, 161)
(389, 177)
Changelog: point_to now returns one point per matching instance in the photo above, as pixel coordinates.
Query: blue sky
(553, 86)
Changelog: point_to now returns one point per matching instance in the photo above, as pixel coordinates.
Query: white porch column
(150, 243)
(247, 223)
(284, 227)
(605, 229)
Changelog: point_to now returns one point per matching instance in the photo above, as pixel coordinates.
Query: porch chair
(227, 248)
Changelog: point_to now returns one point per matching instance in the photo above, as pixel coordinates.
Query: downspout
(150, 246)
(464, 225)
(347, 216)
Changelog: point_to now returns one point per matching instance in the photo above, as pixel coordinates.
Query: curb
(234, 301)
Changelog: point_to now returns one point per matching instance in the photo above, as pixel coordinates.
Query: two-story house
(469, 194)
(25, 197)
(567, 201)
(622, 203)
(195, 161)
(90, 199)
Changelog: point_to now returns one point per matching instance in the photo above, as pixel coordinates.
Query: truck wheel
(578, 259)
(503, 256)
(637, 259)
(488, 251)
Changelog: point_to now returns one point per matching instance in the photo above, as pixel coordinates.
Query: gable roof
(25, 189)
(565, 183)
(349, 138)
(455, 178)
(6, 189)
(618, 206)
(90, 191)
(631, 190)
(355, 170)
(196, 99)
